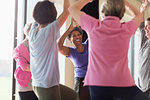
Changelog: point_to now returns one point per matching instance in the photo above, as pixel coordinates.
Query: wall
(69, 67)
(65, 65)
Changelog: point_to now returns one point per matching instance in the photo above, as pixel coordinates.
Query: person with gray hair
(108, 75)
(23, 73)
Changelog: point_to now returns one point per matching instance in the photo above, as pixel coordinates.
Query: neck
(41, 26)
(80, 48)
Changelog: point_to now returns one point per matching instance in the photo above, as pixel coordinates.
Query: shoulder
(53, 27)
(88, 22)
(20, 47)
(54, 23)
(17, 50)
(131, 23)
(85, 18)
(34, 25)
(72, 51)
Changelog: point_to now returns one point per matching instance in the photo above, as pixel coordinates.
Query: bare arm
(28, 68)
(63, 49)
(64, 15)
(74, 10)
(138, 15)
(133, 10)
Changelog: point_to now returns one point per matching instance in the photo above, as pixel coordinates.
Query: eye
(79, 34)
(74, 36)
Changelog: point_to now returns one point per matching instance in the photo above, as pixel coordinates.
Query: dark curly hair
(148, 19)
(75, 29)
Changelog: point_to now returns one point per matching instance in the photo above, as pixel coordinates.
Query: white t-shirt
(44, 55)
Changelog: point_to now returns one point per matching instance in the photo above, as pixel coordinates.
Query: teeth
(77, 39)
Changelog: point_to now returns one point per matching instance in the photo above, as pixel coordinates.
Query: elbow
(59, 48)
(59, 45)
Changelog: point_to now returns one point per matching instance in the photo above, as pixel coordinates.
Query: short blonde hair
(27, 28)
(113, 8)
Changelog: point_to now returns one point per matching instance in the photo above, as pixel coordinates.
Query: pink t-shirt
(108, 51)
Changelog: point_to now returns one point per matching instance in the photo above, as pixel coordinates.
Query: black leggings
(83, 91)
(116, 93)
(29, 95)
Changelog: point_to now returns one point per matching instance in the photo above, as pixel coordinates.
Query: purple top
(80, 60)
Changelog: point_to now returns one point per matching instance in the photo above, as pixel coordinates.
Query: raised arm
(133, 10)
(74, 10)
(63, 49)
(138, 14)
(64, 15)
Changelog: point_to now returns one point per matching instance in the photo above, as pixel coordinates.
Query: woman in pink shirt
(22, 73)
(108, 76)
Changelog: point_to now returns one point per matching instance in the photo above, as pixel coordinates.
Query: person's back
(108, 75)
(44, 55)
(43, 47)
(44, 52)
(109, 44)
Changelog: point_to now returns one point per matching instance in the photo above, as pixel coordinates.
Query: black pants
(116, 93)
(29, 95)
(83, 91)
(147, 93)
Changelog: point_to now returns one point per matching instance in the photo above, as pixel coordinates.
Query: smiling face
(76, 38)
(147, 28)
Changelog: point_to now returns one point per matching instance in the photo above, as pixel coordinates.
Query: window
(6, 43)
